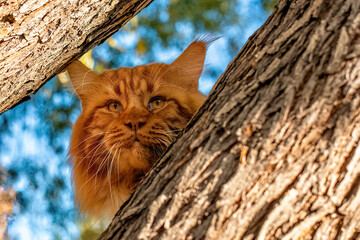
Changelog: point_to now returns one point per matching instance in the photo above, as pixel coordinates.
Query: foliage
(269, 5)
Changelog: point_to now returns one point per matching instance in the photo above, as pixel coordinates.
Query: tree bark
(38, 38)
(274, 152)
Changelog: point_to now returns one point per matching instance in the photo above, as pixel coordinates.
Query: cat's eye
(114, 106)
(156, 103)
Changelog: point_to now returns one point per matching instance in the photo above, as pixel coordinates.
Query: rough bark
(38, 38)
(274, 152)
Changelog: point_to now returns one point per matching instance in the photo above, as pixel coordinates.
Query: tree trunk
(38, 38)
(274, 152)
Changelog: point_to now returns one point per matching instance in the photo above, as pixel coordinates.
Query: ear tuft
(81, 77)
(206, 39)
(189, 65)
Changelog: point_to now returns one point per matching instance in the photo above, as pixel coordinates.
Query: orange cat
(129, 117)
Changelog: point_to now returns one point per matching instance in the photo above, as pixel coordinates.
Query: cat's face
(131, 115)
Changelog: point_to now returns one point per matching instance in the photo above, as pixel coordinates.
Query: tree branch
(39, 38)
(274, 152)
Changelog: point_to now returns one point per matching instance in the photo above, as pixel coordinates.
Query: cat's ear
(81, 77)
(189, 65)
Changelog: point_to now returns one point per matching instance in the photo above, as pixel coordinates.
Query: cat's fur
(118, 136)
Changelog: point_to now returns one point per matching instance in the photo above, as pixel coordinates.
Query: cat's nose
(135, 124)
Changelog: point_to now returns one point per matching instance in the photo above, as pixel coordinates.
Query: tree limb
(38, 38)
(274, 152)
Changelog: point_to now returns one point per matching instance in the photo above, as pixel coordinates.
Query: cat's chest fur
(129, 117)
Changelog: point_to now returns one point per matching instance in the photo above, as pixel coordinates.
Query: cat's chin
(137, 155)
(135, 148)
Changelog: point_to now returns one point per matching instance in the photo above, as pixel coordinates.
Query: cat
(129, 117)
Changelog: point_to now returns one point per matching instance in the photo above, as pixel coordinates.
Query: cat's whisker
(88, 138)
(169, 69)
(118, 172)
(85, 140)
(80, 160)
(81, 86)
(158, 71)
(172, 85)
(92, 150)
(170, 135)
(109, 80)
(105, 150)
(101, 143)
(102, 165)
(178, 67)
(164, 142)
(83, 79)
(89, 179)
(109, 175)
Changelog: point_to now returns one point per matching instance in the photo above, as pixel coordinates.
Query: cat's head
(130, 115)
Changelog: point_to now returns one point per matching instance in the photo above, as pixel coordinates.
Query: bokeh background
(34, 137)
